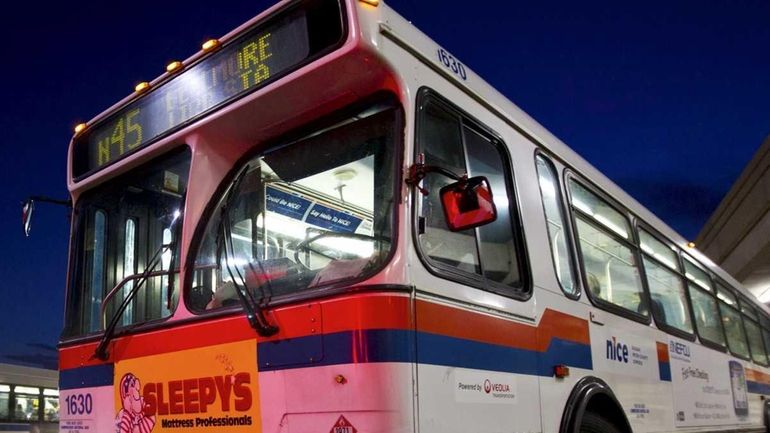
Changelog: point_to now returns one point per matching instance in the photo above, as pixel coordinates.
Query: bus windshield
(310, 214)
(121, 225)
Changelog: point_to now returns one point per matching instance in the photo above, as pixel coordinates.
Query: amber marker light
(690, 244)
(210, 44)
(141, 87)
(371, 2)
(80, 127)
(174, 66)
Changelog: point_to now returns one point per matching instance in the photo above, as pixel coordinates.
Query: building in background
(737, 235)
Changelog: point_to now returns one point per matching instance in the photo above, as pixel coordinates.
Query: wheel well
(592, 394)
(604, 405)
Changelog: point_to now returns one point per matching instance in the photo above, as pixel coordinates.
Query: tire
(595, 423)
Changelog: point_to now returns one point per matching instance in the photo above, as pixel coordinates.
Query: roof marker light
(174, 66)
(210, 44)
(371, 2)
(690, 244)
(80, 127)
(141, 87)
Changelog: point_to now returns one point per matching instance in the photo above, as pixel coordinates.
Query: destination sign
(262, 54)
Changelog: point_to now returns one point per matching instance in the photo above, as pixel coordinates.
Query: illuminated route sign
(272, 49)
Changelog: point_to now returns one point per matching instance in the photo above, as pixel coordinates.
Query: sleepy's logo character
(131, 419)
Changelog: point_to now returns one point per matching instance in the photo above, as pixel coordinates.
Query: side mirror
(26, 215)
(468, 203)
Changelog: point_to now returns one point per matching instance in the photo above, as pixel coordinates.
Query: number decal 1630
(451, 63)
(79, 404)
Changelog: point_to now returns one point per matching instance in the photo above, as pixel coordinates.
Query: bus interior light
(141, 87)
(80, 127)
(371, 2)
(210, 44)
(174, 66)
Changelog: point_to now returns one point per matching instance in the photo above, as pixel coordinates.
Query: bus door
(476, 358)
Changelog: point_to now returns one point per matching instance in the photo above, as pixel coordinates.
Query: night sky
(669, 99)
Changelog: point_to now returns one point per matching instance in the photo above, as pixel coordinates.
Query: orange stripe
(556, 324)
(757, 376)
(662, 351)
(445, 320)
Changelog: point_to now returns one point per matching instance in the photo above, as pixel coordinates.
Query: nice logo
(617, 351)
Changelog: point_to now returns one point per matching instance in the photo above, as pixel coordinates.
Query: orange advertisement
(199, 390)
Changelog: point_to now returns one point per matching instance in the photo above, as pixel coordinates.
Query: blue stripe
(389, 345)
(14, 427)
(454, 352)
(757, 388)
(664, 368)
(86, 377)
(378, 345)
(565, 352)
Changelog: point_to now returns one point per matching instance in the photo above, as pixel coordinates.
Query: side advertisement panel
(709, 387)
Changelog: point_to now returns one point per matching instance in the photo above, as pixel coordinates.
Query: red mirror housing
(468, 204)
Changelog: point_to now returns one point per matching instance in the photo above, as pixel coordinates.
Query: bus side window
(488, 256)
(556, 224)
(704, 304)
(754, 336)
(5, 402)
(666, 283)
(608, 255)
(733, 322)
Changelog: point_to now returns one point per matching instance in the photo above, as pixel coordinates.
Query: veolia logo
(617, 351)
(487, 386)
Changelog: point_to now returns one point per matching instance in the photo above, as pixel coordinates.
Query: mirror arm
(419, 170)
(44, 199)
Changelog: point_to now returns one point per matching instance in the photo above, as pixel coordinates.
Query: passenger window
(609, 263)
(556, 224)
(667, 290)
(489, 254)
(704, 308)
(726, 296)
(704, 304)
(736, 335)
(5, 401)
(754, 335)
(766, 340)
(696, 275)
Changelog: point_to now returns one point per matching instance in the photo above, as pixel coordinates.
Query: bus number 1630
(451, 63)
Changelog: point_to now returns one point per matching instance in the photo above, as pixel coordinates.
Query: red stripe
(353, 312)
(371, 311)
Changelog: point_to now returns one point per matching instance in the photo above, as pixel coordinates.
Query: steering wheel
(304, 246)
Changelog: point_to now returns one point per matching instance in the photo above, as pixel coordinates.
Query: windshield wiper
(109, 332)
(254, 313)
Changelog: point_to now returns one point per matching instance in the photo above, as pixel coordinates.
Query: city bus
(323, 221)
(29, 399)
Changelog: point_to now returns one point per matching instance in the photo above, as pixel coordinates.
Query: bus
(29, 399)
(323, 221)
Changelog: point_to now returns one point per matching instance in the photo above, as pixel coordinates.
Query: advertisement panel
(709, 387)
(199, 390)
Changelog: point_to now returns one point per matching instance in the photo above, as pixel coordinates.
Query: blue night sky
(669, 99)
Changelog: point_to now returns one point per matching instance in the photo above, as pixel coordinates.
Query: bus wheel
(595, 423)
